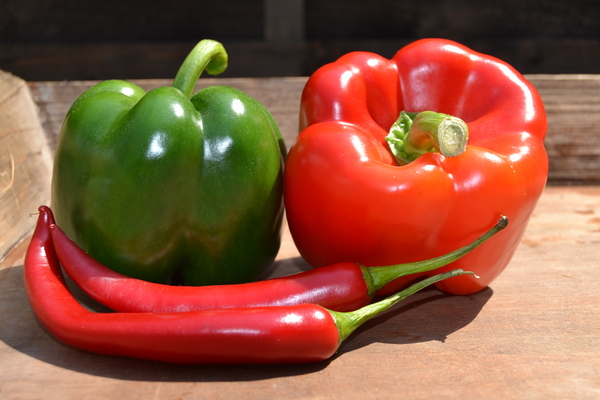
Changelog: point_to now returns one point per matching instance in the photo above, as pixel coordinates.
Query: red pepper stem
(378, 277)
(348, 322)
(414, 134)
(207, 55)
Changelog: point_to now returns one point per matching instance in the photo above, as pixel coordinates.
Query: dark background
(136, 39)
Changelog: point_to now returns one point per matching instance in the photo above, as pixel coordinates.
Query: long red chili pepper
(340, 287)
(291, 334)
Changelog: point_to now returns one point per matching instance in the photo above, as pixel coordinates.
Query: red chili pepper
(340, 287)
(390, 189)
(291, 334)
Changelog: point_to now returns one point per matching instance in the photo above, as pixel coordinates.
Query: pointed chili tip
(47, 213)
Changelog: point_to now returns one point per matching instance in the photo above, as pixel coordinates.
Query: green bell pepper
(169, 187)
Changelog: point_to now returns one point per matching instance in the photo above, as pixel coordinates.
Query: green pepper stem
(348, 322)
(378, 277)
(414, 134)
(207, 55)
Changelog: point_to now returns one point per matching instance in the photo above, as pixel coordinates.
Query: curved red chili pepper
(339, 287)
(235, 336)
(294, 334)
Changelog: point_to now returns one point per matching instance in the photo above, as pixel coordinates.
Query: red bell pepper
(365, 181)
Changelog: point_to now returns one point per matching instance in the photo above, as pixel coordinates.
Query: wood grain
(573, 107)
(572, 104)
(25, 162)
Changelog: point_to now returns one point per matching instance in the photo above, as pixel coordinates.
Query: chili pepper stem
(348, 322)
(207, 55)
(414, 134)
(378, 277)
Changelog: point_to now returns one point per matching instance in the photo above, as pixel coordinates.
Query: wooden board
(572, 103)
(532, 334)
(25, 161)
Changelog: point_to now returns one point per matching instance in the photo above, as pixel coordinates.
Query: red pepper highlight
(293, 334)
(339, 287)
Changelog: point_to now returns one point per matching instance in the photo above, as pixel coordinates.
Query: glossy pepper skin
(165, 186)
(346, 196)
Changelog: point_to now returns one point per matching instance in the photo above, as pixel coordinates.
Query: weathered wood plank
(572, 104)
(25, 162)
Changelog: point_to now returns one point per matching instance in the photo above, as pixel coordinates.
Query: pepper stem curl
(207, 55)
(414, 134)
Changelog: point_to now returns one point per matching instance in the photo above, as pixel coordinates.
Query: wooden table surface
(532, 335)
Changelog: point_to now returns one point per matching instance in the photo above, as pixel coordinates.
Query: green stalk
(378, 277)
(207, 55)
(414, 134)
(348, 322)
